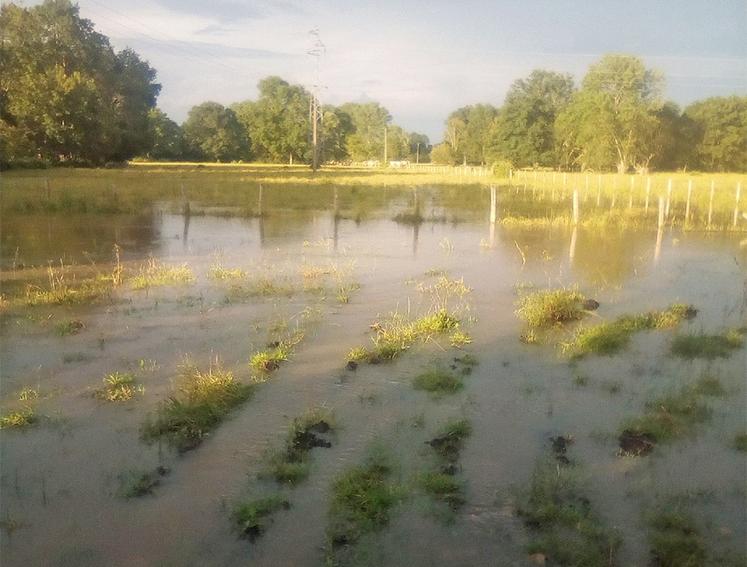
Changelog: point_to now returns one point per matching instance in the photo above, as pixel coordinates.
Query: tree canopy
(212, 132)
(95, 101)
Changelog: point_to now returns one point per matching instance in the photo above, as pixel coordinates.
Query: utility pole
(417, 154)
(317, 50)
(385, 148)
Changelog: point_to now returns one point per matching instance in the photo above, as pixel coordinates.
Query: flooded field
(207, 369)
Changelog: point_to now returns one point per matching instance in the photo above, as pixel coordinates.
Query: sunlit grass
(119, 387)
(396, 334)
(438, 382)
(543, 309)
(18, 419)
(204, 400)
(266, 361)
(157, 274)
(252, 516)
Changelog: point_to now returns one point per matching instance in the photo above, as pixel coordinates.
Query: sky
(420, 59)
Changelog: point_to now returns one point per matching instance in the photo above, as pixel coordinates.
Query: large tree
(469, 130)
(166, 138)
(369, 122)
(65, 95)
(213, 133)
(719, 132)
(524, 130)
(278, 122)
(609, 120)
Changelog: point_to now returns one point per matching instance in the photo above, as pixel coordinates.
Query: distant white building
(399, 163)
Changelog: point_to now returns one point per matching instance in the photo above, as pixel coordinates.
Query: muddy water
(59, 478)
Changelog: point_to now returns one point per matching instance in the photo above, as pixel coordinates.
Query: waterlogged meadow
(254, 365)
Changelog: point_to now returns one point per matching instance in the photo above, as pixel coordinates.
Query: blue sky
(421, 59)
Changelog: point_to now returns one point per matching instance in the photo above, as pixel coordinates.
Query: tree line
(67, 97)
(616, 120)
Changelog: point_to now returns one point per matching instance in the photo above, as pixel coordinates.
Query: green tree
(420, 148)
(166, 138)
(65, 94)
(366, 142)
(336, 127)
(278, 122)
(469, 132)
(609, 120)
(524, 129)
(213, 133)
(719, 132)
(443, 154)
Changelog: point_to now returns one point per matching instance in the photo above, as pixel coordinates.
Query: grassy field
(691, 200)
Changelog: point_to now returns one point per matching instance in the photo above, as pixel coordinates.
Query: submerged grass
(251, 517)
(707, 346)
(611, 337)
(543, 309)
(362, 499)
(204, 401)
(119, 387)
(563, 526)
(157, 274)
(69, 327)
(671, 417)
(444, 488)
(134, 484)
(675, 541)
(291, 465)
(438, 381)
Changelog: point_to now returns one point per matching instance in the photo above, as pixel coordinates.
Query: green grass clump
(438, 381)
(562, 524)
(671, 417)
(611, 337)
(63, 294)
(157, 274)
(291, 465)
(204, 400)
(251, 517)
(262, 287)
(18, 419)
(217, 272)
(119, 387)
(707, 346)
(444, 488)
(134, 484)
(544, 309)
(740, 442)
(675, 541)
(69, 327)
(395, 335)
(362, 499)
(267, 361)
(450, 439)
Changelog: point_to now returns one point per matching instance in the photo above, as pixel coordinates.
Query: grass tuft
(134, 484)
(362, 499)
(396, 335)
(438, 381)
(612, 337)
(267, 361)
(671, 417)
(562, 523)
(119, 387)
(675, 540)
(444, 488)
(18, 419)
(157, 274)
(205, 399)
(709, 347)
(291, 465)
(69, 327)
(251, 517)
(543, 309)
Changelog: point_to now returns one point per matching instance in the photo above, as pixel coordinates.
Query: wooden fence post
(493, 204)
(575, 207)
(736, 204)
(710, 203)
(648, 192)
(259, 204)
(669, 196)
(660, 224)
(689, 194)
